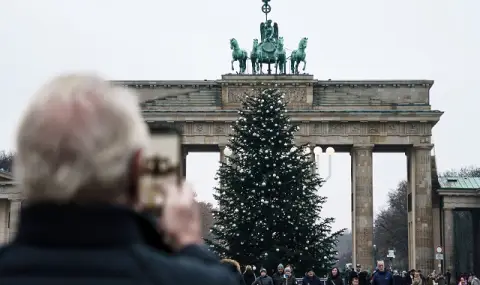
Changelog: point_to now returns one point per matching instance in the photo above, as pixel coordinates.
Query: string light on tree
(268, 194)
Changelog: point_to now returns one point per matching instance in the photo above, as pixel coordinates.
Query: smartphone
(162, 165)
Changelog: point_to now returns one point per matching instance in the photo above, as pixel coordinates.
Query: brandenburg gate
(358, 117)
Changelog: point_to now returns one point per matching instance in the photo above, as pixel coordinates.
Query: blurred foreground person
(77, 163)
(235, 267)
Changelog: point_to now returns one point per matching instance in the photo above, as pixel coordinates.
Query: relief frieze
(372, 129)
(393, 128)
(335, 128)
(292, 94)
(220, 129)
(354, 129)
(200, 129)
(412, 129)
(317, 129)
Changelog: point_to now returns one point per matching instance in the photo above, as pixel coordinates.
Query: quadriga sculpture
(298, 56)
(239, 55)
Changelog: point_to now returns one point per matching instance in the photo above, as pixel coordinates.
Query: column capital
(423, 146)
(363, 147)
(15, 199)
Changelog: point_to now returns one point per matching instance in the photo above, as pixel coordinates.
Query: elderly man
(382, 276)
(78, 149)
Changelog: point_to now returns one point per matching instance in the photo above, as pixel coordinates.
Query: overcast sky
(189, 39)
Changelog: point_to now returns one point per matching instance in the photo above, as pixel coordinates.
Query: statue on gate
(265, 51)
(269, 50)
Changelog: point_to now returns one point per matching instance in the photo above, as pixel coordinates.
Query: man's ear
(135, 170)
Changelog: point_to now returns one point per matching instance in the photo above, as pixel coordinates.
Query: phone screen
(166, 146)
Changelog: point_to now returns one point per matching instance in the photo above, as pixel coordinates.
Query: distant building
(458, 202)
(9, 206)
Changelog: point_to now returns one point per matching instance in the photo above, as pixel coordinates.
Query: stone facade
(360, 117)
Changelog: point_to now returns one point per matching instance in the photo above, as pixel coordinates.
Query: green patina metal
(239, 55)
(270, 50)
(299, 56)
(461, 183)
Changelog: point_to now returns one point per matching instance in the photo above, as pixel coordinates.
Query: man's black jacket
(77, 245)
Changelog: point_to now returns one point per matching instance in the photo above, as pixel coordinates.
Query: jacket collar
(72, 225)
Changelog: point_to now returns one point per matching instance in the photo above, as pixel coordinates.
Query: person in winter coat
(382, 276)
(475, 280)
(417, 279)
(235, 267)
(278, 276)
(289, 278)
(408, 279)
(249, 276)
(334, 277)
(363, 278)
(263, 279)
(424, 280)
(397, 278)
(354, 273)
(311, 278)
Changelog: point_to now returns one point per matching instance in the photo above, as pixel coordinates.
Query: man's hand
(180, 220)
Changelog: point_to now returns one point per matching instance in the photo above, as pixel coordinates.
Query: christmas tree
(269, 209)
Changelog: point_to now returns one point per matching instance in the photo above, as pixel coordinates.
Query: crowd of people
(283, 275)
(352, 276)
(383, 276)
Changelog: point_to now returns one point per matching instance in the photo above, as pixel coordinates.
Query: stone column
(422, 206)
(222, 154)
(449, 246)
(362, 205)
(4, 219)
(410, 200)
(184, 162)
(15, 206)
(437, 225)
(312, 157)
(476, 239)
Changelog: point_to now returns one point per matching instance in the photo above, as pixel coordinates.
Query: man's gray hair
(76, 139)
